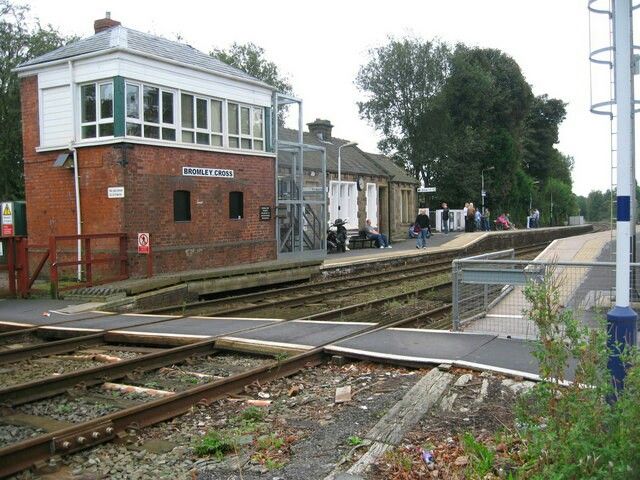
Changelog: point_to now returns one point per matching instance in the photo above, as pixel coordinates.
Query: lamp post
(482, 177)
(535, 182)
(350, 144)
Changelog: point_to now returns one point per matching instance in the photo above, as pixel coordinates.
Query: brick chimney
(321, 129)
(105, 23)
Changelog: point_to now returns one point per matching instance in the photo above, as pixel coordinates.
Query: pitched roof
(122, 38)
(396, 172)
(353, 160)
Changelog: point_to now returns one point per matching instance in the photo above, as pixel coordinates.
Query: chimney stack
(104, 23)
(321, 129)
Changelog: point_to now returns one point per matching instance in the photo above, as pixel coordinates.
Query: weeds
(216, 444)
(570, 430)
(481, 457)
(354, 440)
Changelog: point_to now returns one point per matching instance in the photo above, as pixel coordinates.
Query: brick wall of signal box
(153, 173)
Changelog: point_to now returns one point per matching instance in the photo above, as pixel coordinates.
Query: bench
(361, 241)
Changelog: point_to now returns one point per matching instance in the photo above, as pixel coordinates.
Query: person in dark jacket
(445, 218)
(422, 221)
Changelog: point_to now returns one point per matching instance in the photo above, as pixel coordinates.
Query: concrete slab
(110, 322)
(510, 356)
(302, 333)
(414, 345)
(202, 327)
(31, 313)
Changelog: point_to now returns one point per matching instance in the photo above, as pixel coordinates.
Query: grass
(216, 444)
(354, 440)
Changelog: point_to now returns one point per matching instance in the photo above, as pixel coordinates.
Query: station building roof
(119, 38)
(353, 159)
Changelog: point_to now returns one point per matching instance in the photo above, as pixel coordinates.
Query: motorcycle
(337, 239)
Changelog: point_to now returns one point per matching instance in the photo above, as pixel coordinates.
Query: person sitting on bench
(374, 234)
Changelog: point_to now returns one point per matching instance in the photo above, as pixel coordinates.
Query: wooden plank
(377, 450)
(407, 412)
(391, 428)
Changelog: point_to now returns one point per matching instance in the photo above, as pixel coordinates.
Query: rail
(19, 255)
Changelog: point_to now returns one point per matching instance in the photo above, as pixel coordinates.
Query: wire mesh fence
(488, 292)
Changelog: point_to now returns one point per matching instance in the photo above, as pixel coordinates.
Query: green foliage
(571, 431)
(21, 39)
(269, 442)
(252, 414)
(216, 444)
(444, 112)
(403, 81)
(481, 458)
(250, 58)
(354, 440)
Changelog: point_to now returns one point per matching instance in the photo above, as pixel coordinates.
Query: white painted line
(408, 358)
(238, 318)
(390, 356)
(267, 343)
(506, 371)
(151, 315)
(333, 322)
(152, 334)
(499, 315)
(447, 332)
(73, 329)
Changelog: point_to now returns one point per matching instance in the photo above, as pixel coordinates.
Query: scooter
(337, 239)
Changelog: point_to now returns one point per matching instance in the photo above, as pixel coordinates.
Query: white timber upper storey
(120, 83)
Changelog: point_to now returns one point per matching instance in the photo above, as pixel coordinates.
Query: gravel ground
(17, 433)
(37, 368)
(18, 341)
(66, 409)
(303, 414)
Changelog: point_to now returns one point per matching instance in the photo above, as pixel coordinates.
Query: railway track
(100, 338)
(22, 455)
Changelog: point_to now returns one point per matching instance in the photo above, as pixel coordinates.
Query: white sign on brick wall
(115, 192)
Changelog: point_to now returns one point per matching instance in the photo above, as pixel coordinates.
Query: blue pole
(622, 320)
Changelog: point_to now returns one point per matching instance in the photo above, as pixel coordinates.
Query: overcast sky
(320, 45)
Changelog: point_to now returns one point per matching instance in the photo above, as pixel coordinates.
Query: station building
(371, 186)
(128, 132)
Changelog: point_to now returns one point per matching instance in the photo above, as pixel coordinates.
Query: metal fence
(488, 291)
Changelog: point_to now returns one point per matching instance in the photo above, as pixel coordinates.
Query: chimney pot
(105, 23)
(321, 129)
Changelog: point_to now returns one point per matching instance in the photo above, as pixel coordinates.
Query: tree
(250, 59)
(487, 99)
(20, 40)
(403, 81)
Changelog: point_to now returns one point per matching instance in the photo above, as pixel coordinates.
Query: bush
(582, 429)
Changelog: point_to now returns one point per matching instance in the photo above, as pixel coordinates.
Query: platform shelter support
(622, 320)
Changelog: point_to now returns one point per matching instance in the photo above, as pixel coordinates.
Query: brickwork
(152, 174)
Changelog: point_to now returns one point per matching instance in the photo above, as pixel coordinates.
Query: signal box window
(236, 205)
(181, 206)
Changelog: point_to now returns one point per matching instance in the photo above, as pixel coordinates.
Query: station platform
(441, 245)
(581, 288)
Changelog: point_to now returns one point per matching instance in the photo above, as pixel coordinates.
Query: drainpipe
(389, 225)
(76, 175)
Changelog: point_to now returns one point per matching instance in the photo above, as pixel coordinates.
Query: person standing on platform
(465, 210)
(445, 218)
(471, 217)
(422, 220)
(486, 226)
(536, 218)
